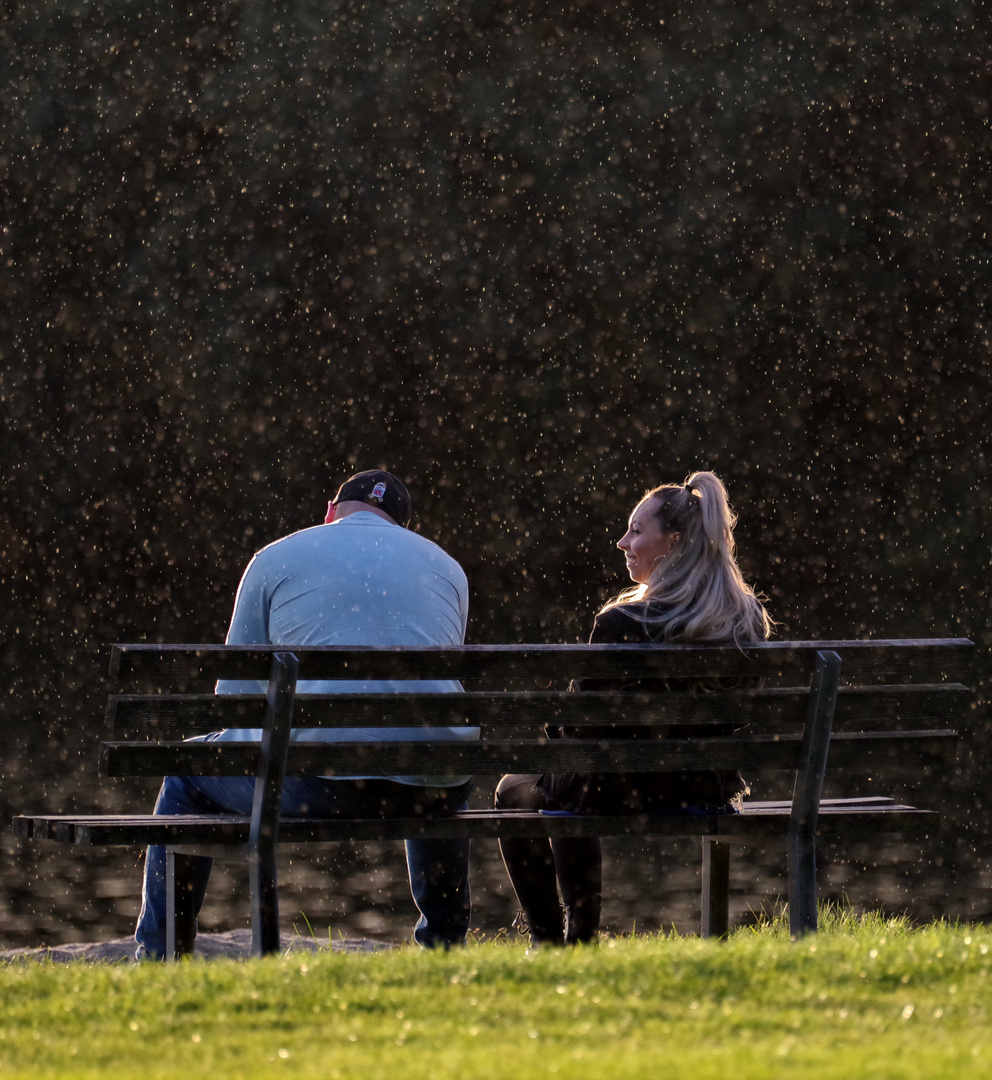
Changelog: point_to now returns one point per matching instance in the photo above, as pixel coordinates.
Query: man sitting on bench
(361, 578)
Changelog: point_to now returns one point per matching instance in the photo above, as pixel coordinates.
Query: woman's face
(644, 544)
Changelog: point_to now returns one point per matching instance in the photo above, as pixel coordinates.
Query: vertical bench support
(180, 918)
(801, 840)
(265, 809)
(715, 921)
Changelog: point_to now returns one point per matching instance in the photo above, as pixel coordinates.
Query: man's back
(361, 580)
(358, 581)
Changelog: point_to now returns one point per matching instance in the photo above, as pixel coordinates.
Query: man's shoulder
(432, 551)
(393, 533)
(301, 535)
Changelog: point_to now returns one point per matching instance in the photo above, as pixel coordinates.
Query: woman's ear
(672, 539)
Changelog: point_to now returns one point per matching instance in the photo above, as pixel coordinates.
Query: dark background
(534, 258)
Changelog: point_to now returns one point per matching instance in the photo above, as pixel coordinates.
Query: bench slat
(837, 817)
(488, 756)
(926, 659)
(162, 715)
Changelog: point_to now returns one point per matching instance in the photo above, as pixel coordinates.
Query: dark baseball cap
(380, 489)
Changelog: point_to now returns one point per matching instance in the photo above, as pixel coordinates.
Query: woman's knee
(519, 791)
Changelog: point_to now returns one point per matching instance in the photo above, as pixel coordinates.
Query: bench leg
(180, 920)
(264, 900)
(715, 920)
(802, 883)
(801, 839)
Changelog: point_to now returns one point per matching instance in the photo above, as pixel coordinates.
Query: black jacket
(618, 793)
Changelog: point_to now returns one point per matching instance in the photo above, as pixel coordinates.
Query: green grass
(864, 997)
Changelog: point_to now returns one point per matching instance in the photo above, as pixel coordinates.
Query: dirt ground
(234, 944)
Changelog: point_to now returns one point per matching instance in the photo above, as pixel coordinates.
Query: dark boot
(582, 920)
(532, 873)
(579, 867)
(530, 862)
(546, 925)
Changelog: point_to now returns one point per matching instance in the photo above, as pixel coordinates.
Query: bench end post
(180, 916)
(266, 807)
(806, 797)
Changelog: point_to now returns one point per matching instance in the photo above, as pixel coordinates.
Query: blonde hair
(696, 593)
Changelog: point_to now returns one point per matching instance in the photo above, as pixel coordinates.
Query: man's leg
(438, 869)
(439, 883)
(184, 795)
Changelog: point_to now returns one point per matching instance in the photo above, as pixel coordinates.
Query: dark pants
(539, 868)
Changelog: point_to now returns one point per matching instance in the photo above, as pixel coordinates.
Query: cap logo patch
(379, 491)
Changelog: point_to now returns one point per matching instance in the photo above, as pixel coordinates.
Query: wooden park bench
(816, 709)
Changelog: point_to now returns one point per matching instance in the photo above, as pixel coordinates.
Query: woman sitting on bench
(679, 548)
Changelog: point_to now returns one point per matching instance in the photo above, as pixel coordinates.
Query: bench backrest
(883, 701)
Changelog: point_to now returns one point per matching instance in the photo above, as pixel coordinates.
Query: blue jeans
(438, 868)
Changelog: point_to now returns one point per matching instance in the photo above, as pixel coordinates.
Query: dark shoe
(543, 932)
(142, 955)
(582, 922)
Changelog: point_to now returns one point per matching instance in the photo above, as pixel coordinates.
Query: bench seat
(770, 818)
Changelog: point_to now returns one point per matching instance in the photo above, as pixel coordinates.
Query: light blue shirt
(361, 580)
